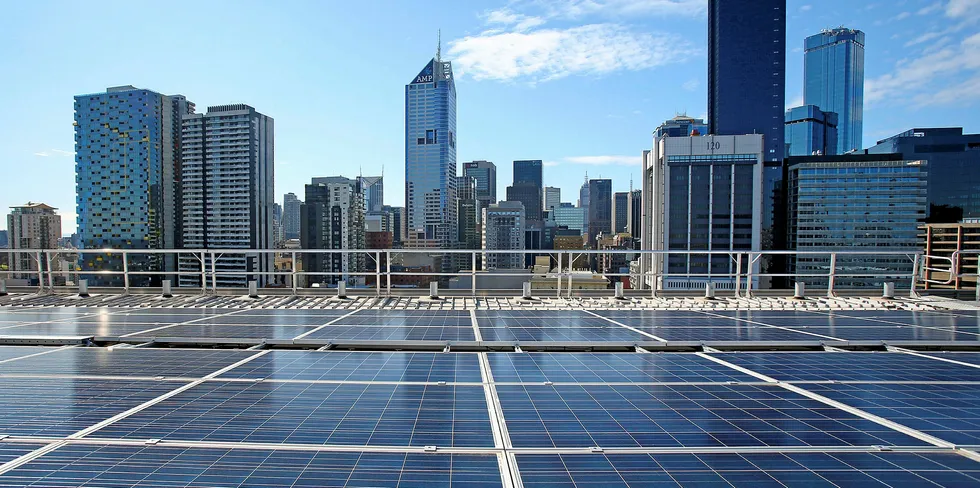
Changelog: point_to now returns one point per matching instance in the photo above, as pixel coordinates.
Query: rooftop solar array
(361, 398)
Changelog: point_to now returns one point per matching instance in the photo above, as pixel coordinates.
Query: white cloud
(620, 8)
(963, 8)
(53, 152)
(930, 8)
(691, 85)
(961, 93)
(796, 102)
(963, 13)
(604, 160)
(549, 54)
(518, 22)
(550, 163)
(916, 77)
(805, 8)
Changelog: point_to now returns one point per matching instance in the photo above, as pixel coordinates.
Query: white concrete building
(503, 229)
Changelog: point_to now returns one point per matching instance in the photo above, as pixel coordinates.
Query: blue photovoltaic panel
(930, 320)
(412, 313)
(362, 366)
(11, 352)
(196, 311)
(230, 331)
(950, 412)
(168, 467)
(73, 329)
(745, 333)
(239, 319)
(569, 367)
(963, 357)
(609, 333)
(852, 366)
(895, 469)
(393, 333)
(569, 322)
(61, 407)
(681, 416)
(703, 321)
(10, 451)
(652, 314)
(288, 312)
(134, 319)
(417, 321)
(316, 413)
(890, 333)
(530, 314)
(99, 361)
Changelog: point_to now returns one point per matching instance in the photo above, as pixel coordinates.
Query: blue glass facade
(833, 79)
(430, 156)
(810, 130)
(954, 159)
(747, 70)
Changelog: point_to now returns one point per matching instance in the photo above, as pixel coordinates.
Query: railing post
(915, 276)
(748, 275)
(377, 273)
(473, 273)
(204, 275)
(40, 270)
(47, 258)
(388, 269)
(832, 275)
(738, 275)
(125, 272)
(214, 275)
(292, 271)
(560, 271)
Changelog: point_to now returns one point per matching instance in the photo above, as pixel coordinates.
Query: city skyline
(602, 136)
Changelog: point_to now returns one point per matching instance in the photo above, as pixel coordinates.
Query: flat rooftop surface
(536, 395)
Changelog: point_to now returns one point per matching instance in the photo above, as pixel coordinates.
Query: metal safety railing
(394, 271)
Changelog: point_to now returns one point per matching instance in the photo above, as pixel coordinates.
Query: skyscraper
(620, 211)
(469, 212)
(552, 197)
(747, 70)
(600, 208)
(527, 187)
(810, 130)
(503, 229)
(32, 226)
(127, 165)
(485, 173)
(374, 193)
(430, 156)
(704, 193)
(833, 79)
(332, 217)
(635, 211)
(583, 203)
(228, 191)
(290, 215)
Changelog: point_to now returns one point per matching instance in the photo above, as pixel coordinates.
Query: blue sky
(579, 84)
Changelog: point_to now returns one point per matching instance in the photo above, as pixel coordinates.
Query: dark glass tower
(527, 187)
(747, 70)
(834, 81)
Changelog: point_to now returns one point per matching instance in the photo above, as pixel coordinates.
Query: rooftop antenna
(439, 45)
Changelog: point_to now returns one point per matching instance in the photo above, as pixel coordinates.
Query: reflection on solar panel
(950, 412)
(376, 406)
(776, 469)
(316, 413)
(88, 465)
(857, 366)
(609, 368)
(681, 416)
(362, 366)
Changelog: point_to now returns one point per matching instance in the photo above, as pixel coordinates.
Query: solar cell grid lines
(609, 368)
(316, 413)
(92, 361)
(886, 333)
(393, 333)
(93, 465)
(362, 366)
(757, 470)
(854, 366)
(228, 331)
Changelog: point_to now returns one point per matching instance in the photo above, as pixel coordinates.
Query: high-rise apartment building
(703, 193)
(552, 197)
(859, 202)
(503, 229)
(833, 79)
(430, 156)
(485, 173)
(374, 193)
(583, 202)
(527, 187)
(228, 165)
(810, 131)
(600, 208)
(127, 178)
(332, 217)
(277, 235)
(634, 213)
(469, 212)
(620, 211)
(747, 70)
(290, 216)
(953, 157)
(31, 226)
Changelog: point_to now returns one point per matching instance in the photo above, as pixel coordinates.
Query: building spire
(439, 45)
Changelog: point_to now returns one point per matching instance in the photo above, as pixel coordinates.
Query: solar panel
(229, 331)
(948, 411)
(140, 319)
(746, 333)
(12, 352)
(609, 333)
(853, 366)
(361, 366)
(66, 329)
(10, 451)
(415, 321)
(681, 416)
(289, 312)
(99, 361)
(890, 333)
(95, 465)
(60, 407)
(567, 322)
(411, 313)
(702, 321)
(517, 314)
(238, 319)
(756, 470)
(608, 368)
(393, 333)
(316, 413)
(965, 357)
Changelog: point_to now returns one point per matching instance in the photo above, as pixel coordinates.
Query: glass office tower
(430, 157)
(833, 79)
(810, 131)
